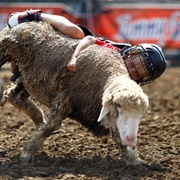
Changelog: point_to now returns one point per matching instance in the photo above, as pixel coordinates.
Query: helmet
(152, 61)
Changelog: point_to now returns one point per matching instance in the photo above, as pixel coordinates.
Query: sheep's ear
(104, 111)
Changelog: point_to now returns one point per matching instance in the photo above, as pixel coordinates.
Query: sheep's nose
(130, 140)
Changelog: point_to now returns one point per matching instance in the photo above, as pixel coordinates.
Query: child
(144, 62)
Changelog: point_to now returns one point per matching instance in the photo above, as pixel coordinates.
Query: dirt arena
(75, 153)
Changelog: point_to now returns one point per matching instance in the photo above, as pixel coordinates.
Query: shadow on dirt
(45, 166)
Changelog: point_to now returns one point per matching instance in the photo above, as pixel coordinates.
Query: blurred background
(134, 21)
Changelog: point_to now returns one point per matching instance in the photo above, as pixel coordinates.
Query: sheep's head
(123, 105)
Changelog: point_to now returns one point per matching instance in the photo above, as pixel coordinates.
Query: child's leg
(25, 16)
(84, 43)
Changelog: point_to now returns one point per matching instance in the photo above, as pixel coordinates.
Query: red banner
(138, 25)
(160, 25)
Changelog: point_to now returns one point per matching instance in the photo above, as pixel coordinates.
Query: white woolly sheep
(100, 95)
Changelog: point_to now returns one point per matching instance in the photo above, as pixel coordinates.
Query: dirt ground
(75, 153)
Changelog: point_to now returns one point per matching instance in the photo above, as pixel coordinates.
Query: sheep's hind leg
(45, 130)
(25, 105)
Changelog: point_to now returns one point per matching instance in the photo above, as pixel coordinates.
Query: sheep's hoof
(153, 166)
(26, 158)
(132, 159)
(134, 162)
(141, 163)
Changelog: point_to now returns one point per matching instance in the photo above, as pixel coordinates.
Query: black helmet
(155, 63)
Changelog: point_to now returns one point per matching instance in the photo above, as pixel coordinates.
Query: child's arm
(84, 43)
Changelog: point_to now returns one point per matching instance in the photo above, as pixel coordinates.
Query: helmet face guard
(144, 62)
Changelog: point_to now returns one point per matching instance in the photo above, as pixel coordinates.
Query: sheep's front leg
(53, 123)
(130, 156)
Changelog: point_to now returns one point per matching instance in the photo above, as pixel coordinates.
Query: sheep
(100, 95)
